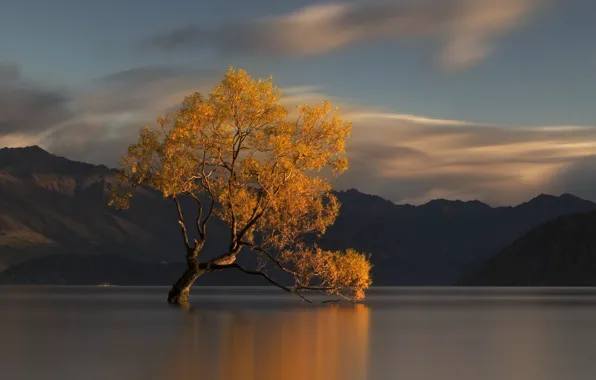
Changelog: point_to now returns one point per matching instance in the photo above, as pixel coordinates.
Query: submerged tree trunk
(180, 291)
(178, 295)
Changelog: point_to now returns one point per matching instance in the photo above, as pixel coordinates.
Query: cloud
(578, 177)
(9, 73)
(27, 107)
(108, 115)
(466, 29)
(402, 157)
(414, 159)
(91, 142)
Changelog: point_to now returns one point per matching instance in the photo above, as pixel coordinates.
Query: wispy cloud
(109, 113)
(402, 157)
(26, 106)
(411, 160)
(466, 29)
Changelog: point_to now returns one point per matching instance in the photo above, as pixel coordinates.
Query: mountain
(51, 206)
(561, 252)
(435, 243)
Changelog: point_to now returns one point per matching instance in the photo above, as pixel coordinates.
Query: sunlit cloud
(416, 159)
(466, 29)
(18, 140)
(403, 157)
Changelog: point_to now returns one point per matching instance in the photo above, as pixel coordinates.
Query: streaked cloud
(26, 106)
(467, 30)
(409, 160)
(412, 159)
(109, 113)
(402, 157)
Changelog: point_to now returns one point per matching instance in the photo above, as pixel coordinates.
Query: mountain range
(55, 226)
(561, 252)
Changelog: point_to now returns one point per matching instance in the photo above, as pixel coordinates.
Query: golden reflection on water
(64, 334)
(311, 343)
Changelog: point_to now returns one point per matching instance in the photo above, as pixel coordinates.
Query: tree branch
(271, 257)
(254, 218)
(182, 225)
(265, 276)
(209, 213)
(207, 185)
(199, 216)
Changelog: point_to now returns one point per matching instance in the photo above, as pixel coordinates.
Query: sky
(459, 99)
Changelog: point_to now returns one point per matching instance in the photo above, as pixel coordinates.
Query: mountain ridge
(8, 153)
(51, 205)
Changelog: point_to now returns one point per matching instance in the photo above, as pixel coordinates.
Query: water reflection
(403, 334)
(307, 343)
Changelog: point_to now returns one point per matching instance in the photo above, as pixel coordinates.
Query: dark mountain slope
(433, 244)
(561, 252)
(50, 205)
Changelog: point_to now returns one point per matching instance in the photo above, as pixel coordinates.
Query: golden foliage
(344, 273)
(238, 148)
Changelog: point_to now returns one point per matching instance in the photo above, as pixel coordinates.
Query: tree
(242, 159)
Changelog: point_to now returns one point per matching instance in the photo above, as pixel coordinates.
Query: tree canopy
(246, 159)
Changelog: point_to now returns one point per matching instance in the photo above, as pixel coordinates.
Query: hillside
(50, 205)
(435, 243)
(561, 252)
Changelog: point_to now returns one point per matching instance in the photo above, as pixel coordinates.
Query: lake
(88, 333)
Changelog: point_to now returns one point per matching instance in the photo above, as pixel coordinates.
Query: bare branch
(199, 216)
(265, 276)
(202, 225)
(209, 214)
(272, 258)
(182, 225)
(316, 288)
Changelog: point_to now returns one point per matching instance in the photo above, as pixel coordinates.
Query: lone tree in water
(242, 159)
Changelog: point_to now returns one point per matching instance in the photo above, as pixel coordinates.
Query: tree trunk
(180, 290)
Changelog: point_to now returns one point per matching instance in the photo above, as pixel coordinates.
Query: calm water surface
(87, 333)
